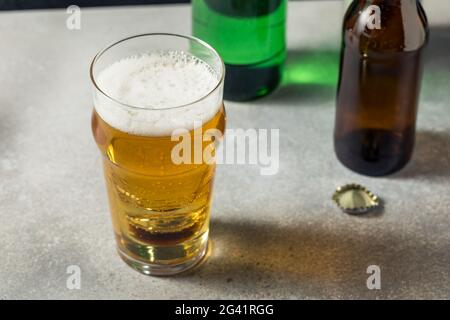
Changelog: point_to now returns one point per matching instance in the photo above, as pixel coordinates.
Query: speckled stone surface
(272, 236)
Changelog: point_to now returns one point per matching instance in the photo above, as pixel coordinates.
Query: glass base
(164, 269)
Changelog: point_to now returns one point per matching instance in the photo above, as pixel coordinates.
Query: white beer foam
(156, 84)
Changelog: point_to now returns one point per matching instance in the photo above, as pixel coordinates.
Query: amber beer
(379, 85)
(160, 208)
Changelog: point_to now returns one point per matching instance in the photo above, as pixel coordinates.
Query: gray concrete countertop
(273, 236)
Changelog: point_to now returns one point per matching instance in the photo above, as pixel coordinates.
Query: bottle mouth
(248, 8)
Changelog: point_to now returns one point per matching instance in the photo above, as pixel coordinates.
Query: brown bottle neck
(390, 2)
(401, 25)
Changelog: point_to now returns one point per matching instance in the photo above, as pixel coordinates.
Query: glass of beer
(153, 95)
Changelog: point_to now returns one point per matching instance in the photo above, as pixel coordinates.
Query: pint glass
(154, 94)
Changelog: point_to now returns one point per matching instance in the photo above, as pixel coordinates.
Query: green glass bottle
(250, 37)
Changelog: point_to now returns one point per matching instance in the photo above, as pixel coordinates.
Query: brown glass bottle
(379, 84)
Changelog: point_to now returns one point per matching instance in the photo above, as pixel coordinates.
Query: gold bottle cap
(355, 199)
